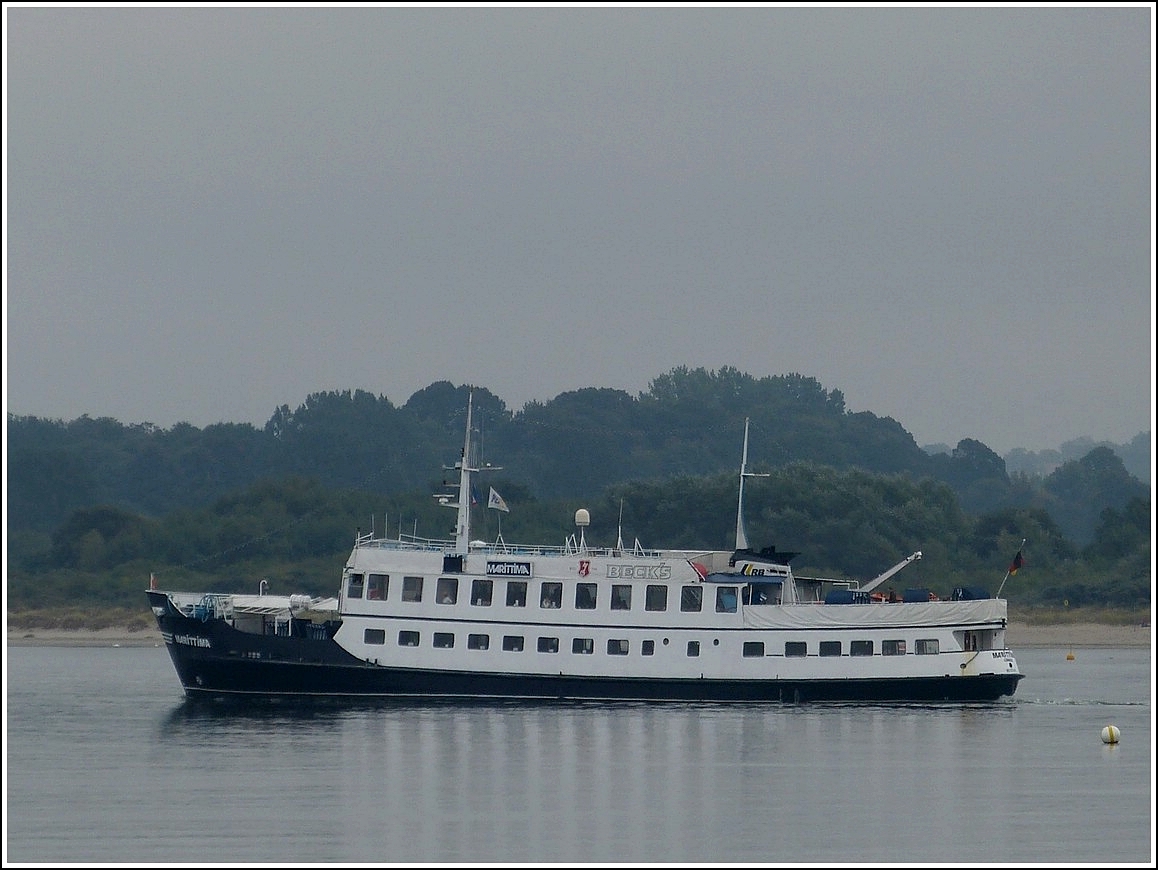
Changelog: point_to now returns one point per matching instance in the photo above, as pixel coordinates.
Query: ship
(463, 619)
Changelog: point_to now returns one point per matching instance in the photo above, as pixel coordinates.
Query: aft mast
(741, 535)
(744, 556)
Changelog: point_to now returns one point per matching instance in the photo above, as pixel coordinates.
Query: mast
(741, 536)
(465, 470)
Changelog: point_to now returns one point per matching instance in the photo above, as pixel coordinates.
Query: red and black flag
(1016, 563)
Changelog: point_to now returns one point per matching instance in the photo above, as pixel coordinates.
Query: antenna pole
(619, 538)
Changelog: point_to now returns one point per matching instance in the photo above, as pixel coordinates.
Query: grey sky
(945, 213)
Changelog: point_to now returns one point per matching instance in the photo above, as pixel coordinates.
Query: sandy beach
(1020, 636)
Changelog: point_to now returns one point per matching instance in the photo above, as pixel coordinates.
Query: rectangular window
(892, 647)
(656, 598)
(480, 592)
(408, 638)
(647, 648)
(829, 648)
(447, 591)
(478, 641)
(760, 593)
(692, 599)
(583, 646)
(621, 597)
(617, 647)
(443, 640)
(377, 586)
(411, 588)
(549, 644)
(795, 649)
(693, 648)
(513, 643)
(516, 593)
(551, 595)
(726, 599)
(374, 635)
(860, 648)
(354, 587)
(928, 647)
(585, 596)
(753, 649)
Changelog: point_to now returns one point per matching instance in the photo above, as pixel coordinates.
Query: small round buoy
(1110, 734)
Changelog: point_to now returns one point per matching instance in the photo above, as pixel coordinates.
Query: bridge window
(480, 593)
(516, 593)
(621, 597)
(726, 599)
(411, 588)
(692, 599)
(376, 587)
(354, 587)
(656, 597)
(585, 596)
(761, 593)
(447, 592)
(552, 595)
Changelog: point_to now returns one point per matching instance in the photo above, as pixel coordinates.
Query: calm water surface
(106, 762)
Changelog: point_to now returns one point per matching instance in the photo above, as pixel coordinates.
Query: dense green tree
(1078, 492)
(102, 504)
(1120, 533)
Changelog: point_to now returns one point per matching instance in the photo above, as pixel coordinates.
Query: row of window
(376, 587)
(621, 646)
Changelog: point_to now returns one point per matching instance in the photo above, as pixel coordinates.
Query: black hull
(213, 660)
(218, 678)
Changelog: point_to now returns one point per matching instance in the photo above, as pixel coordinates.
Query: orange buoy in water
(1070, 656)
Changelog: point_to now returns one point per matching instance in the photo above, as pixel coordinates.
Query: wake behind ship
(468, 619)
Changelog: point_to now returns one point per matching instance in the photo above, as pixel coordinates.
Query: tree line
(95, 506)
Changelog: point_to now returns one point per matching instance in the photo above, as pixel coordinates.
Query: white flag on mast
(496, 501)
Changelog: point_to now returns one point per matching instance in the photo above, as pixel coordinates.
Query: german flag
(1015, 564)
